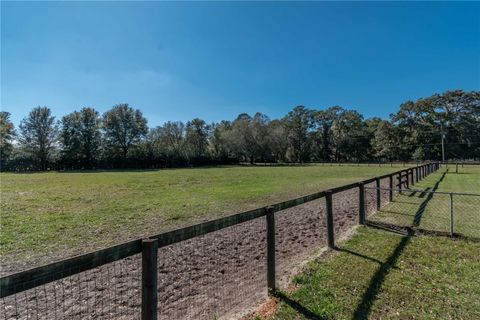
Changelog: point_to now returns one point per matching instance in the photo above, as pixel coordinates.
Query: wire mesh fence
(111, 291)
(213, 276)
(298, 233)
(425, 210)
(219, 269)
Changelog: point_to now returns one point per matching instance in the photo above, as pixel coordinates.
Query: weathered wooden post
(390, 185)
(406, 181)
(379, 199)
(411, 177)
(149, 279)
(329, 218)
(361, 203)
(271, 249)
(456, 168)
(399, 178)
(416, 174)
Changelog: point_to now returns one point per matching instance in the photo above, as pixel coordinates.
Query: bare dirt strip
(221, 275)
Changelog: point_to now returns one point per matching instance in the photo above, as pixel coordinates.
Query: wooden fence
(42, 275)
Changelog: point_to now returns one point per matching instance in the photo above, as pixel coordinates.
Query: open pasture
(48, 216)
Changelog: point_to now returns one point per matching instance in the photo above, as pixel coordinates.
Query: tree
(80, 137)
(322, 137)
(123, 128)
(298, 123)
(7, 133)
(196, 139)
(386, 141)
(167, 143)
(349, 137)
(38, 135)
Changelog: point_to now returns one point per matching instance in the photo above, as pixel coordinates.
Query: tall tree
(38, 135)
(7, 133)
(196, 139)
(124, 127)
(298, 123)
(80, 137)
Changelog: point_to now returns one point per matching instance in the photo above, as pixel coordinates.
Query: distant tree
(196, 139)
(298, 123)
(322, 137)
(38, 135)
(218, 142)
(277, 140)
(168, 143)
(349, 141)
(123, 128)
(386, 141)
(80, 137)
(7, 134)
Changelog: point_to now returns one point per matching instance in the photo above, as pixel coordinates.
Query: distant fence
(453, 214)
(210, 270)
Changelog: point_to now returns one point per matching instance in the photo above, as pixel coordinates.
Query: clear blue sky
(177, 61)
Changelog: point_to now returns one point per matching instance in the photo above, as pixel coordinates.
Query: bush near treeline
(120, 138)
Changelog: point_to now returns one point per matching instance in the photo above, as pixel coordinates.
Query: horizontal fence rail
(43, 275)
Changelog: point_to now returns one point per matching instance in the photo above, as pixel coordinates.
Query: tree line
(121, 138)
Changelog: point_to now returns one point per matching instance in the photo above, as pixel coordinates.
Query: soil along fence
(215, 269)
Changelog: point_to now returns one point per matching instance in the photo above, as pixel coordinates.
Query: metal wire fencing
(218, 269)
(447, 213)
(214, 276)
(111, 291)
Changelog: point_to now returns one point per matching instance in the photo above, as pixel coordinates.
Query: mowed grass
(383, 275)
(432, 211)
(46, 216)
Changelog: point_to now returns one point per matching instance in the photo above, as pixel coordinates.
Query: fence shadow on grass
(365, 306)
(421, 210)
(308, 314)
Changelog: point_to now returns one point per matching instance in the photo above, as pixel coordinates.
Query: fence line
(29, 279)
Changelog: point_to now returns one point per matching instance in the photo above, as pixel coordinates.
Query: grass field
(383, 275)
(45, 216)
(432, 211)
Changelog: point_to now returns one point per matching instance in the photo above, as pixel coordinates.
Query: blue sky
(214, 60)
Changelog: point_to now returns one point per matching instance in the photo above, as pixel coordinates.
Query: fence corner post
(329, 217)
(361, 203)
(271, 249)
(149, 279)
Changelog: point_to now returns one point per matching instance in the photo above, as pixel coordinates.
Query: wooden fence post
(406, 182)
(416, 174)
(329, 218)
(390, 185)
(149, 279)
(399, 178)
(271, 249)
(379, 199)
(361, 203)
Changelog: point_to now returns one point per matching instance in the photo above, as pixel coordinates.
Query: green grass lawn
(432, 211)
(383, 275)
(45, 216)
